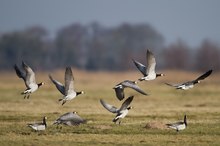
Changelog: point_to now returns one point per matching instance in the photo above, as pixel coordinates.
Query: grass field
(144, 124)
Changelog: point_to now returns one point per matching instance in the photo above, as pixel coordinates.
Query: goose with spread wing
(67, 90)
(149, 71)
(190, 84)
(119, 88)
(121, 112)
(28, 76)
(70, 119)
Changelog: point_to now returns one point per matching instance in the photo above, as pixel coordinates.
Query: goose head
(40, 84)
(160, 75)
(81, 92)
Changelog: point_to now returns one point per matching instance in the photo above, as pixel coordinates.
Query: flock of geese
(68, 92)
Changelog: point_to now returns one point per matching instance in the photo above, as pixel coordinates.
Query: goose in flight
(178, 125)
(29, 79)
(39, 126)
(119, 88)
(190, 84)
(149, 71)
(121, 112)
(67, 90)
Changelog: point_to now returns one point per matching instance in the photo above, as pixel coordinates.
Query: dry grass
(143, 126)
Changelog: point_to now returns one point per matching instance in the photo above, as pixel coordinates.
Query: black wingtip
(140, 79)
(210, 71)
(51, 78)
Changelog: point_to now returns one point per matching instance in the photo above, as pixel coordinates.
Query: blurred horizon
(190, 21)
(107, 35)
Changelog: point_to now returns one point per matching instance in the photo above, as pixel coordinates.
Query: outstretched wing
(30, 75)
(70, 117)
(69, 84)
(58, 85)
(66, 116)
(19, 73)
(119, 93)
(203, 76)
(134, 86)
(141, 67)
(151, 62)
(126, 103)
(109, 107)
(173, 85)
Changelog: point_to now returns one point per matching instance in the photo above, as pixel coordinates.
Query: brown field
(144, 125)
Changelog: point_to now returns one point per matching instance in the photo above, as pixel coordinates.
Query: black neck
(158, 75)
(185, 121)
(40, 84)
(78, 93)
(44, 122)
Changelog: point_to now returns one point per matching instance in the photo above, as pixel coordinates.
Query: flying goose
(29, 79)
(122, 112)
(39, 126)
(149, 71)
(178, 125)
(190, 84)
(70, 119)
(119, 88)
(68, 89)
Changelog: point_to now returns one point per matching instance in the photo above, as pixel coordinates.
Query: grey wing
(19, 73)
(173, 85)
(203, 76)
(109, 107)
(58, 85)
(74, 122)
(126, 103)
(77, 119)
(151, 62)
(119, 93)
(134, 86)
(30, 75)
(141, 67)
(66, 116)
(69, 87)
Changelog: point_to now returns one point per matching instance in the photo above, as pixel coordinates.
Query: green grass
(163, 105)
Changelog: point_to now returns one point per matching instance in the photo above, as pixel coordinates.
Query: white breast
(33, 87)
(70, 96)
(123, 113)
(150, 76)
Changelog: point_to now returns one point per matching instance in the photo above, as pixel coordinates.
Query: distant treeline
(95, 47)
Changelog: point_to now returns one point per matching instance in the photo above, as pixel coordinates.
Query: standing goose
(190, 84)
(149, 72)
(122, 112)
(70, 119)
(39, 126)
(178, 125)
(119, 88)
(29, 79)
(68, 89)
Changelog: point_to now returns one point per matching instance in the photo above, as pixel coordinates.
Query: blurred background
(107, 35)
